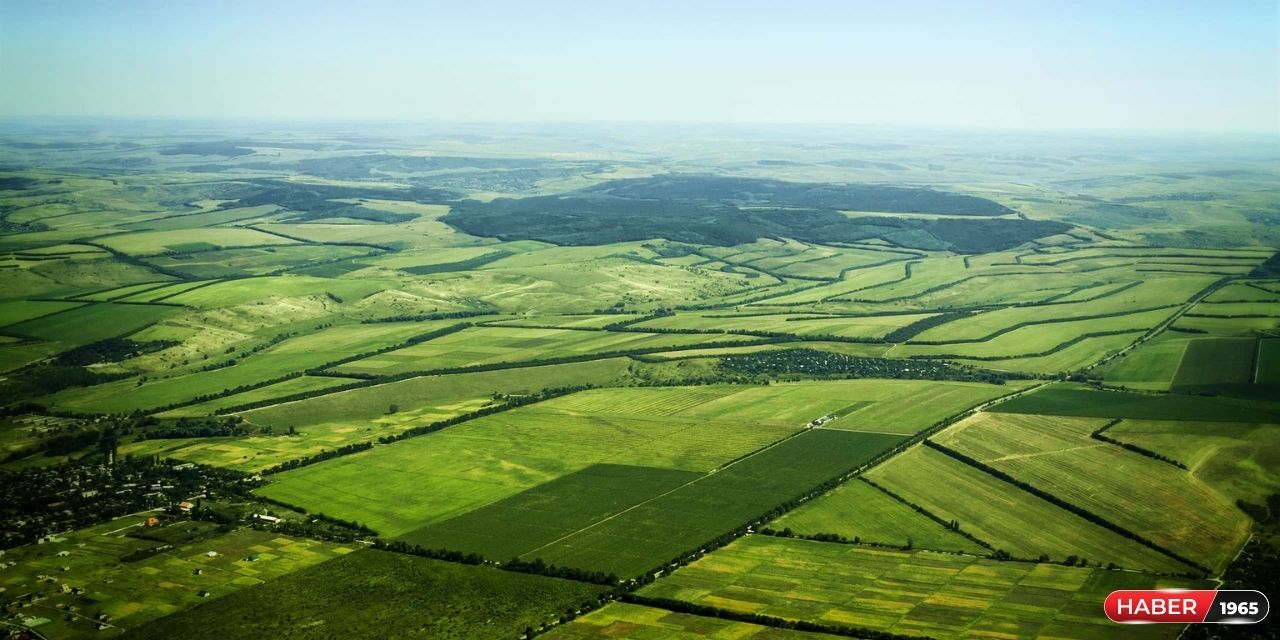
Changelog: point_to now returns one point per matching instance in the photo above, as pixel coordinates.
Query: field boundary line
(673, 490)
(1063, 504)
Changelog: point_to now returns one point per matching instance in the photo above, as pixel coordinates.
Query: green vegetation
(502, 359)
(103, 578)
(1155, 500)
(860, 511)
(619, 619)
(399, 595)
(1067, 400)
(1014, 521)
(917, 593)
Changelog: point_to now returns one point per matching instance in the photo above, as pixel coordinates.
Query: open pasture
(426, 399)
(207, 218)
(918, 593)
(1222, 326)
(1079, 355)
(622, 620)
(22, 310)
(400, 596)
(291, 356)
(869, 327)
(236, 292)
(1151, 498)
(255, 261)
(134, 592)
(1007, 517)
(1238, 459)
(859, 511)
(1036, 339)
(146, 243)
(493, 345)
(901, 407)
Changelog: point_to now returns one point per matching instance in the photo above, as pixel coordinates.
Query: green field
(1215, 362)
(400, 596)
(550, 511)
(291, 356)
(620, 620)
(1148, 497)
(493, 345)
(434, 477)
(90, 323)
(1239, 460)
(1068, 400)
(611, 349)
(917, 593)
(1150, 367)
(186, 240)
(801, 325)
(673, 523)
(857, 510)
(1007, 518)
(133, 593)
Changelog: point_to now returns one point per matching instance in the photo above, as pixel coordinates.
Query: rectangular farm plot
(544, 514)
(20, 310)
(654, 532)
(252, 261)
(1072, 400)
(917, 593)
(858, 510)
(187, 240)
(492, 345)
(1007, 517)
(1211, 362)
(1150, 367)
(91, 323)
(872, 326)
(403, 486)
(1268, 370)
(1151, 498)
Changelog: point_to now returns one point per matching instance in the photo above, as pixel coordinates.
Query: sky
(1161, 65)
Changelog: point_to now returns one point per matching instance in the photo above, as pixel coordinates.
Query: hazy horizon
(1103, 67)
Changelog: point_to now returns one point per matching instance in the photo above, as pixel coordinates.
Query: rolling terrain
(306, 384)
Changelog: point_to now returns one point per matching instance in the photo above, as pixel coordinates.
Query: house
(266, 518)
(185, 505)
(152, 521)
(64, 553)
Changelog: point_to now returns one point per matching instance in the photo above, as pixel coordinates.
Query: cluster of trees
(81, 493)
(903, 334)
(953, 525)
(327, 454)
(198, 428)
(536, 566)
(729, 211)
(811, 362)
(424, 317)
(109, 350)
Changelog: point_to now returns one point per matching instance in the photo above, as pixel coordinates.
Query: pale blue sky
(1201, 66)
